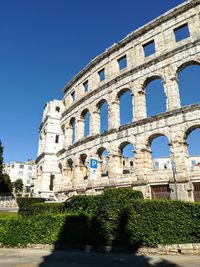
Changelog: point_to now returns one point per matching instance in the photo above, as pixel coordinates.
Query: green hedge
(24, 204)
(46, 208)
(134, 223)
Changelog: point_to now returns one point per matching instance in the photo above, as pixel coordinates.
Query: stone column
(95, 122)
(172, 92)
(78, 181)
(115, 165)
(68, 136)
(113, 115)
(139, 106)
(142, 161)
(80, 129)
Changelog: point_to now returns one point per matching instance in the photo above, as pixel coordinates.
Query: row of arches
(158, 147)
(155, 99)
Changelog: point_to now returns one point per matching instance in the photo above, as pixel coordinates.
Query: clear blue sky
(44, 44)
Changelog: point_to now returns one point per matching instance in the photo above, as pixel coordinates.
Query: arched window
(127, 152)
(193, 137)
(160, 152)
(73, 126)
(126, 109)
(103, 108)
(104, 157)
(189, 80)
(86, 117)
(155, 96)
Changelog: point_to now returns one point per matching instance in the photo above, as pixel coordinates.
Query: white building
(26, 171)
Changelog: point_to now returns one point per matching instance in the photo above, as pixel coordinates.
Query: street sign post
(93, 168)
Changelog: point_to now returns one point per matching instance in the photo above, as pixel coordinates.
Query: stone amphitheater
(65, 151)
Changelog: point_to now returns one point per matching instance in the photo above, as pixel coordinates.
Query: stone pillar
(172, 93)
(68, 136)
(95, 122)
(139, 106)
(80, 129)
(142, 161)
(78, 181)
(180, 157)
(115, 166)
(113, 115)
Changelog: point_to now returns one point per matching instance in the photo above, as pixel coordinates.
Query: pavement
(48, 258)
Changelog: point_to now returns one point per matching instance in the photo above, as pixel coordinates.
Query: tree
(5, 183)
(18, 185)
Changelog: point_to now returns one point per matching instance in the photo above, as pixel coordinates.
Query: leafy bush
(24, 204)
(138, 222)
(46, 208)
(153, 222)
(83, 204)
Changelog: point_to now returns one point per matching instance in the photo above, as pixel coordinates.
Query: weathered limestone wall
(70, 161)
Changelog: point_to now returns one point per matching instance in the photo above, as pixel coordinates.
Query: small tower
(51, 140)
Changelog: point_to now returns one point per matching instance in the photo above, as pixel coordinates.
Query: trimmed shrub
(24, 204)
(46, 208)
(153, 222)
(140, 222)
(83, 204)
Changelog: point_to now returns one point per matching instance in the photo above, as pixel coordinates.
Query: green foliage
(18, 185)
(46, 208)
(83, 204)
(153, 222)
(24, 204)
(138, 222)
(5, 183)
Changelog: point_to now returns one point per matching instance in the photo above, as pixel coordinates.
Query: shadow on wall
(86, 232)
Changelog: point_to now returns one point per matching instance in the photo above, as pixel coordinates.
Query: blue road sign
(93, 163)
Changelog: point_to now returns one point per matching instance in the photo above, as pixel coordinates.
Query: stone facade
(63, 167)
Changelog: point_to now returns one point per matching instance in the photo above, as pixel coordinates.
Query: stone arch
(191, 141)
(156, 97)
(124, 98)
(102, 109)
(126, 157)
(188, 78)
(162, 159)
(72, 125)
(85, 116)
(83, 165)
(103, 156)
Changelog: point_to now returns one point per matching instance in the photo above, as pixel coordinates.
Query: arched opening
(126, 151)
(155, 96)
(192, 138)
(160, 155)
(60, 167)
(126, 108)
(73, 127)
(103, 108)
(189, 80)
(86, 118)
(83, 166)
(103, 155)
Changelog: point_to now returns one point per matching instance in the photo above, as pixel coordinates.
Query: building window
(51, 182)
(149, 48)
(156, 164)
(21, 166)
(73, 96)
(85, 85)
(12, 166)
(181, 32)
(122, 62)
(101, 74)
(58, 109)
(131, 163)
(29, 174)
(30, 168)
(20, 173)
(57, 139)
